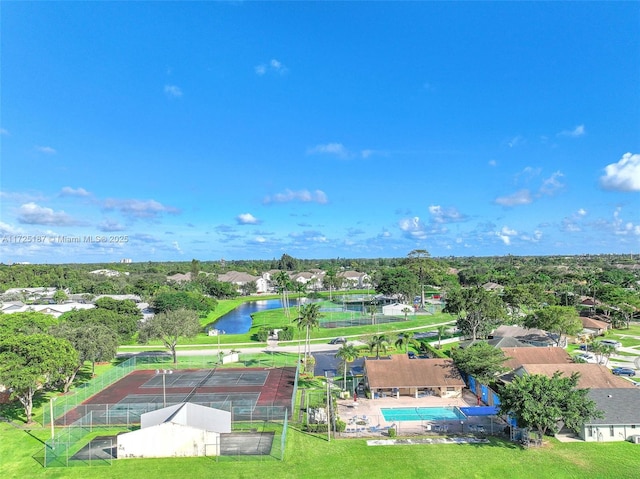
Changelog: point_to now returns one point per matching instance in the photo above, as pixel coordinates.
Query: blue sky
(241, 130)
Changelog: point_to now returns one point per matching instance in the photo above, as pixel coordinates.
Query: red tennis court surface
(249, 391)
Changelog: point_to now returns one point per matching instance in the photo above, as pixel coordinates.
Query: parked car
(411, 355)
(611, 342)
(340, 340)
(586, 357)
(623, 372)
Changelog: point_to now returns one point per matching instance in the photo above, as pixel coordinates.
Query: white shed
(396, 309)
(182, 430)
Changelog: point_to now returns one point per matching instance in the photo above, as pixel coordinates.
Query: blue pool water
(421, 414)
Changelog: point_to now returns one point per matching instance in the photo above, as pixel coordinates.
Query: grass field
(312, 457)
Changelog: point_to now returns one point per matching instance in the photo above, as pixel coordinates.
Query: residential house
(354, 279)
(239, 279)
(621, 419)
(592, 376)
(592, 327)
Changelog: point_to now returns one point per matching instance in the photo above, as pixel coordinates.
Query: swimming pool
(421, 414)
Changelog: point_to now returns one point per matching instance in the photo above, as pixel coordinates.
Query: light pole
(164, 372)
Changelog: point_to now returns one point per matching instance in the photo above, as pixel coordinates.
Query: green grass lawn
(312, 457)
(275, 318)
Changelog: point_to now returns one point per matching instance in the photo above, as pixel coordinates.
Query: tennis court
(249, 393)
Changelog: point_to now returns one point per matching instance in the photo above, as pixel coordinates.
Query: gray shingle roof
(619, 406)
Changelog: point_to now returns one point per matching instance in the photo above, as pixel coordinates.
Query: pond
(238, 321)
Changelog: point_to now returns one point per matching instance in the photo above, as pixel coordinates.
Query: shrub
(340, 426)
(263, 334)
(392, 432)
(286, 333)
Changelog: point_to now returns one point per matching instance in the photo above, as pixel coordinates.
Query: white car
(611, 342)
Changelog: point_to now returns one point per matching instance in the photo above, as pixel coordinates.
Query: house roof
(398, 371)
(619, 406)
(519, 356)
(507, 342)
(592, 376)
(237, 277)
(591, 323)
(523, 334)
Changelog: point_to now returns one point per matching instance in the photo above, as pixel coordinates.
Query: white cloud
(69, 191)
(172, 91)
(110, 225)
(575, 133)
(7, 229)
(47, 150)
(413, 228)
(623, 175)
(274, 66)
(505, 234)
(515, 141)
(337, 149)
(4, 132)
(176, 247)
(552, 185)
(493, 163)
(305, 196)
(247, 219)
(309, 236)
(139, 208)
(522, 197)
(445, 215)
(573, 223)
(33, 214)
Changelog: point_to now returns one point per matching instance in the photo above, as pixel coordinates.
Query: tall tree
(93, 342)
(417, 260)
(405, 339)
(478, 310)
(561, 320)
(480, 360)
(377, 343)
(29, 363)
(283, 283)
(308, 319)
(124, 325)
(398, 281)
(544, 403)
(347, 354)
(173, 300)
(169, 327)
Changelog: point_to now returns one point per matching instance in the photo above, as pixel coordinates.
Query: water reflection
(238, 321)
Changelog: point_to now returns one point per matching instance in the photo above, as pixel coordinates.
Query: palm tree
(404, 340)
(372, 309)
(282, 282)
(347, 353)
(406, 311)
(442, 330)
(309, 318)
(378, 342)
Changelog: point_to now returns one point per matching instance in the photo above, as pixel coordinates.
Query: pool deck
(364, 418)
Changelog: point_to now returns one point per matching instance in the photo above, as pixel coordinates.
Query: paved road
(289, 346)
